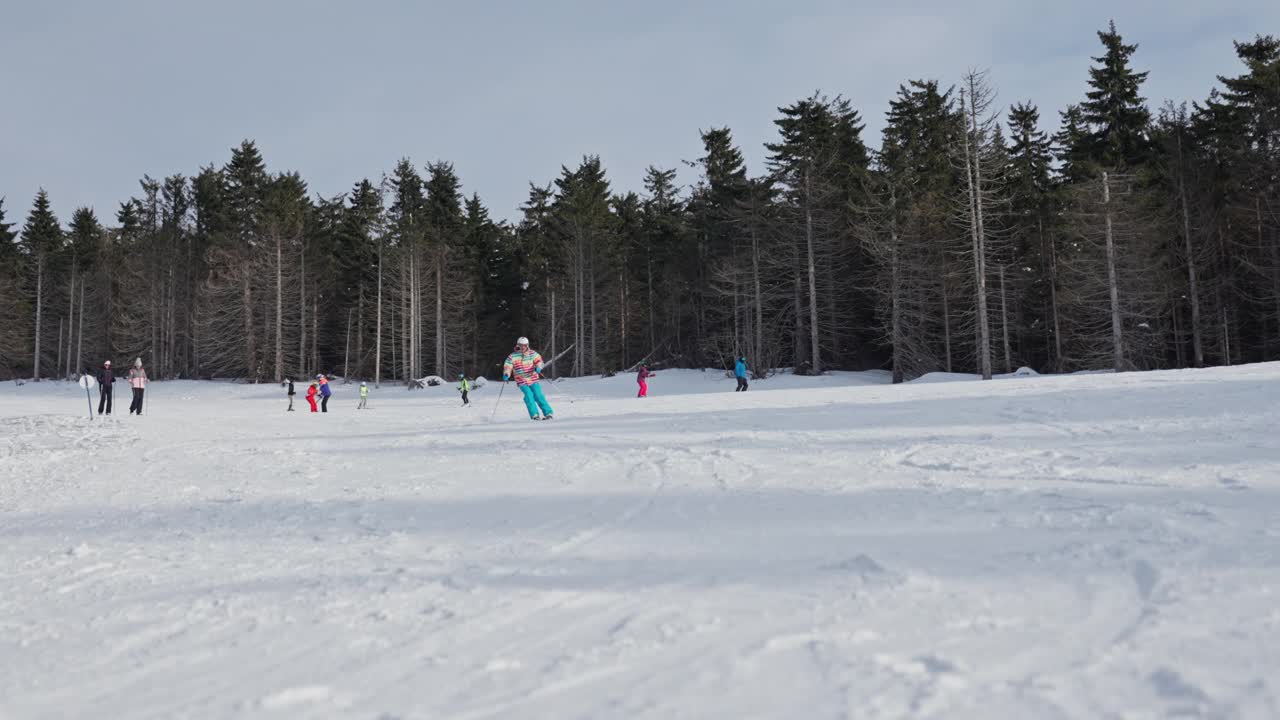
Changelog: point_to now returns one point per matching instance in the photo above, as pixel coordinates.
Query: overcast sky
(96, 94)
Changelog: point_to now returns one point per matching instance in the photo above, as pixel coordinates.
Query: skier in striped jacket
(525, 366)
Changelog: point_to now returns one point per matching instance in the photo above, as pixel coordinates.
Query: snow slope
(837, 547)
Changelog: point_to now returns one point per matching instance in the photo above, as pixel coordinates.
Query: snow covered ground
(1044, 547)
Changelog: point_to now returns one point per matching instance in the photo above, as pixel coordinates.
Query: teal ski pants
(534, 399)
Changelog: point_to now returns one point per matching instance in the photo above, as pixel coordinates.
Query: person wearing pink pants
(641, 378)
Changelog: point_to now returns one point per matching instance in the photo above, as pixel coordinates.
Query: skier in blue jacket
(740, 372)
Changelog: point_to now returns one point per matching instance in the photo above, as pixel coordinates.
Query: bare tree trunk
(360, 369)
(57, 363)
(315, 333)
(798, 334)
(1275, 261)
(736, 294)
(622, 312)
(71, 316)
(377, 342)
(1226, 334)
(591, 275)
(346, 359)
(553, 320)
(440, 347)
(71, 328)
(653, 339)
(279, 373)
(302, 313)
(39, 312)
(1053, 295)
(406, 308)
(580, 328)
(895, 289)
(1180, 352)
(1197, 345)
(1113, 283)
(80, 331)
(1004, 324)
(413, 315)
(155, 316)
(973, 178)
(815, 349)
(946, 319)
(171, 355)
(251, 346)
(758, 360)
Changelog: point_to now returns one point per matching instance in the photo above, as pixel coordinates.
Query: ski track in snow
(1050, 547)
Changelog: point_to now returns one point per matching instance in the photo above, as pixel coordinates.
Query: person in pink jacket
(137, 381)
(642, 378)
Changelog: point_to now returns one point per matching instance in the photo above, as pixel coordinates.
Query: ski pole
(84, 383)
(495, 405)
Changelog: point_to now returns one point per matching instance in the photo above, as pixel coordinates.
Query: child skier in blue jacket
(740, 372)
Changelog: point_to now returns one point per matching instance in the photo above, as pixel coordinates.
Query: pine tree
(585, 224)
(327, 319)
(84, 236)
(490, 272)
(358, 250)
(407, 227)
(1115, 109)
(673, 298)
(716, 276)
(1033, 245)
(816, 162)
(916, 182)
(41, 239)
(285, 210)
(1072, 147)
(245, 187)
(444, 219)
(14, 333)
(246, 184)
(9, 253)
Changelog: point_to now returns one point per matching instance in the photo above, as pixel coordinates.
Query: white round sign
(88, 382)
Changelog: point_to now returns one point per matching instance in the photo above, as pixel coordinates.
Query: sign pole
(86, 382)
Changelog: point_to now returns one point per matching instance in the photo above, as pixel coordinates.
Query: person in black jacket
(106, 379)
(291, 393)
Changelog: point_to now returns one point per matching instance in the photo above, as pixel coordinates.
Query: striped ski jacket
(523, 367)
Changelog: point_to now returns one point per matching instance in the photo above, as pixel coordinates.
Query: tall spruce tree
(246, 183)
(14, 333)
(715, 278)
(358, 245)
(444, 218)
(42, 240)
(819, 152)
(917, 181)
(1032, 240)
(84, 236)
(1115, 109)
(584, 220)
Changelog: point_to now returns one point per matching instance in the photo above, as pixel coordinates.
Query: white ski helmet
(522, 340)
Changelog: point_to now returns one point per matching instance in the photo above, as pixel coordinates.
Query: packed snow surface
(1034, 547)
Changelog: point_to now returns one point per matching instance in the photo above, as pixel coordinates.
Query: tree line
(970, 240)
